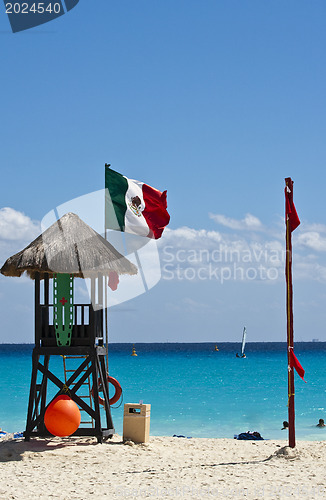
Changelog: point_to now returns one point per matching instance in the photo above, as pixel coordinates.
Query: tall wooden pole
(289, 311)
(105, 278)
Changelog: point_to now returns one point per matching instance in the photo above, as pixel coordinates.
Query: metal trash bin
(136, 422)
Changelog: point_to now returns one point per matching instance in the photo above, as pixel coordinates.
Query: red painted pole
(289, 313)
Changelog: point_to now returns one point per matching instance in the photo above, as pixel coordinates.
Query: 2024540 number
(35, 8)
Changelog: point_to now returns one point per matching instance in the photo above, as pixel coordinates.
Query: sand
(165, 467)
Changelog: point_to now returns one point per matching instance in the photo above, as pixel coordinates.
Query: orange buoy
(117, 387)
(62, 416)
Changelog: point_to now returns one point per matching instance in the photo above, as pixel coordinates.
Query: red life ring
(117, 394)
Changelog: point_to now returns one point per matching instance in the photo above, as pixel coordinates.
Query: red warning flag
(290, 211)
(294, 363)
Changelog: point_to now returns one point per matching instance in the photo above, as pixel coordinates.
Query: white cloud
(16, 231)
(201, 255)
(305, 270)
(15, 225)
(187, 234)
(259, 254)
(319, 228)
(312, 240)
(250, 222)
(232, 246)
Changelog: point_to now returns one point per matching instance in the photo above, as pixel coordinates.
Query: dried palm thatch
(68, 246)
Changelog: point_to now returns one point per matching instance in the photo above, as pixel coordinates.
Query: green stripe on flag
(115, 202)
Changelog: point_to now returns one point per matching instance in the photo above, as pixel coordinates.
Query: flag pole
(289, 311)
(106, 324)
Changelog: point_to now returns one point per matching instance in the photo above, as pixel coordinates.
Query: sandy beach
(165, 467)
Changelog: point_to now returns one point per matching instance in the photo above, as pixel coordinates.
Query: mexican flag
(133, 206)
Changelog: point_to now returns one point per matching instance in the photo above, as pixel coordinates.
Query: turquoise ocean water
(194, 390)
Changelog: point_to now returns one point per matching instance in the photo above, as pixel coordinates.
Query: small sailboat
(134, 350)
(243, 345)
(216, 348)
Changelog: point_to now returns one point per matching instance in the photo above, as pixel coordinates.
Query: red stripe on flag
(294, 363)
(155, 212)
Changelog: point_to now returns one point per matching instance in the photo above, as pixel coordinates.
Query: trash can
(136, 421)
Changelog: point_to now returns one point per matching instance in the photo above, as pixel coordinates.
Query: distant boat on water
(216, 348)
(243, 345)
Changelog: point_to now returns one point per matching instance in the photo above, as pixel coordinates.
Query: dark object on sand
(255, 436)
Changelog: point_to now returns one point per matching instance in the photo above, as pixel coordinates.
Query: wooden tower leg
(32, 396)
(37, 398)
(109, 422)
(43, 391)
(98, 428)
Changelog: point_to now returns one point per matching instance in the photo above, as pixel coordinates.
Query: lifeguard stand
(69, 249)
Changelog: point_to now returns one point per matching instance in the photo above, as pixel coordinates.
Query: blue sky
(215, 101)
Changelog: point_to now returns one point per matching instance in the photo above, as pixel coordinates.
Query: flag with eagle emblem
(133, 206)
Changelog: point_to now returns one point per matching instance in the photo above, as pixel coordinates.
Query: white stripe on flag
(135, 222)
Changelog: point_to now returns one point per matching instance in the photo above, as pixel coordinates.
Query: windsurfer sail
(244, 336)
(243, 345)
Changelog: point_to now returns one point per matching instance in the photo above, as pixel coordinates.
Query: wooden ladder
(86, 384)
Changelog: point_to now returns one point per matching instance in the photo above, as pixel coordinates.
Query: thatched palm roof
(68, 246)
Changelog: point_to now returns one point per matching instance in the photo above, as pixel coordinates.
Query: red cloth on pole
(294, 363)
(113, 280)
(290, 211)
